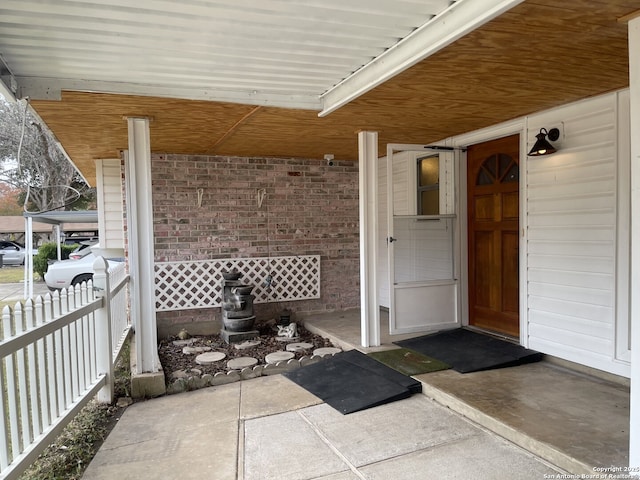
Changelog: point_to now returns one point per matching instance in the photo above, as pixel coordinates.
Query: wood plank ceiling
(539, 54)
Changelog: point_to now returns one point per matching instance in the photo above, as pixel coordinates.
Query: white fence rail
(197, 284)
(56, 354)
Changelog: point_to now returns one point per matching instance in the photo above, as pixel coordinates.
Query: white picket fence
(57, 352)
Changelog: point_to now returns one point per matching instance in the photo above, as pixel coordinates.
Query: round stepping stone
(209, 358)
(247, 344)
(241, 362)
(321, 352)
(299, 346)
(281, 356)
(182, 343)
(194, 350)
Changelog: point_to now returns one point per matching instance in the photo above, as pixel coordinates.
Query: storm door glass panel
(429, 185)
(423, 249)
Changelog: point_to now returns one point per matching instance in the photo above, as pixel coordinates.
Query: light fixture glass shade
(542, 146)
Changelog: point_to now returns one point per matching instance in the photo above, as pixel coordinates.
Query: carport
(86, 217)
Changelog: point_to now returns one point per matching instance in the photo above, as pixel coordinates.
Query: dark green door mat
(468, 351)
(407, 362)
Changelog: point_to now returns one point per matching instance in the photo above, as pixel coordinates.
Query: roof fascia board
(44, 88)
(58, 217)
(459, 19)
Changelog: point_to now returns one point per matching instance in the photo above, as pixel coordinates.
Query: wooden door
(493, 232)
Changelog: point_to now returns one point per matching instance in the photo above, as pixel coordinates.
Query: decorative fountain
(237, 309)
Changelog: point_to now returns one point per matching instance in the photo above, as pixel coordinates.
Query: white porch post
(368, 193)
(634, 82)
(141, 244)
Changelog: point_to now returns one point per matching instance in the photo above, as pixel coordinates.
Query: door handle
(391, 239)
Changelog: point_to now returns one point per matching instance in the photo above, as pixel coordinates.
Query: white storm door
(423, 288)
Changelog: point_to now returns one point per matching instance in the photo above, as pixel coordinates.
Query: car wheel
(85, 277)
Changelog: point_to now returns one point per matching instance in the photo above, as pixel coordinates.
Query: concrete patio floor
(269, 428)
(574, 417)
(529, 422)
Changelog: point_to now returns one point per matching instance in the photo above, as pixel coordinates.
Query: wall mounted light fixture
(542, 145)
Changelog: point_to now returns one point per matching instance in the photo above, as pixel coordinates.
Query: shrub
(49, 251)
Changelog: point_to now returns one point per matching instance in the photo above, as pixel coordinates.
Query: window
(429, 185)
(498, 168)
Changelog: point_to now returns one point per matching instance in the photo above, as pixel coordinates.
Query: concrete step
(575, 422)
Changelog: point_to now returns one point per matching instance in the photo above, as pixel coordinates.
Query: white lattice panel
(198, 284)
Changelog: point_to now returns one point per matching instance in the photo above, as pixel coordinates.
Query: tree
(10, 200)
(31, 161)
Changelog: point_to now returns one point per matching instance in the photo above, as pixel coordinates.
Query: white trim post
(368, 199)
(141, 245)
(634, 82)
(104, 341)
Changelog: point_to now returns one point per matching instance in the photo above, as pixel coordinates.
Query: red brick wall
(310, 209)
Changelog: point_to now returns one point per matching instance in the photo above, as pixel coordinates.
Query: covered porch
(192, 105)
(521, 422)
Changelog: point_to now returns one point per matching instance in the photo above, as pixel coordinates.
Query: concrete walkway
(270, 428)
(15, 291)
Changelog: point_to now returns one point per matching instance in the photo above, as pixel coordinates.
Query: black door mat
(351, 381)
(408, 362)
(468, 351)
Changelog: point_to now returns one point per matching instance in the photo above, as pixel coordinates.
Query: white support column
(634, 82)
(141, 245)
(368, 192)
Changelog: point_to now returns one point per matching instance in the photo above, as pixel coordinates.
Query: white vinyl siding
(111, 219)
(575, 220)
(571, 242)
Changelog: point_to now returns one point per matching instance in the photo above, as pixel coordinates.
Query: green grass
(11, 274)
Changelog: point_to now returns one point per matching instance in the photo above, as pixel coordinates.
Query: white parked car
(82, 250)
(66, 273)
(13, 253)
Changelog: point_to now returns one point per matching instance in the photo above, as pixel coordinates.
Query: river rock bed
(182, 372)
